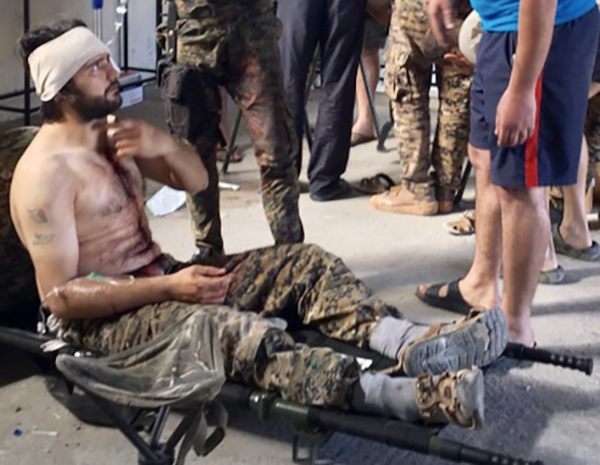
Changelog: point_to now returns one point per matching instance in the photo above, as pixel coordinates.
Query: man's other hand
(515, 117)
(459, 62)
(441, 19)
(201, 284)
(132, 138)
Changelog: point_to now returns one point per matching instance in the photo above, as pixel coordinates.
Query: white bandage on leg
(54, 63)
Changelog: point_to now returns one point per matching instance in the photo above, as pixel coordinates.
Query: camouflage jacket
(203, 26)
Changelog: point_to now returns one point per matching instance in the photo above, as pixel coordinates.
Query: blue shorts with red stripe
(551, 156)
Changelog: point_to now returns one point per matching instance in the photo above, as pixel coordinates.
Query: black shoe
(342, 190)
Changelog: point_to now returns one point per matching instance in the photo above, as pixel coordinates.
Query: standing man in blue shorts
(528, 107)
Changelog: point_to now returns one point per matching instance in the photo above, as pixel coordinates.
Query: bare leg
(364, 121)
(574, 227)
(550, 260)
(525, 231)
(480, 286)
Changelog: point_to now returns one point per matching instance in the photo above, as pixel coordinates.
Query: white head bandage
(53, 64)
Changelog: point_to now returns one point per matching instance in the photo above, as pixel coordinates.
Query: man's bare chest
(109, 189)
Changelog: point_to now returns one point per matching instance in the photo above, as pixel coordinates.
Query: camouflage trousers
(408, 80)
(302, 284)
(243, 57)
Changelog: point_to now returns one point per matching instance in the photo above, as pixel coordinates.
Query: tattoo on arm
(42, 239)
(37, 215)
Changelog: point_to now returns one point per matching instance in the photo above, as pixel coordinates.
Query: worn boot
(452, 398)
(400, 200)
(475, 340)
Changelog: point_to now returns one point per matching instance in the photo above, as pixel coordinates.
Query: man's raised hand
(132, 138)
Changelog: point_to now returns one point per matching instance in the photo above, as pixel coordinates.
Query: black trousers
(337, 27)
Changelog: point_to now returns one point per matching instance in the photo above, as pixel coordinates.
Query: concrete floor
(533, 411)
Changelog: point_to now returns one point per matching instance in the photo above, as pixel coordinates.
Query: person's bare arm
(516, 113)
(441, 19)
(159, 156)
(47, 218)
(98, 296)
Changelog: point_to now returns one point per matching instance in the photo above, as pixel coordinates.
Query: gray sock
(392, 334)
(379, 394)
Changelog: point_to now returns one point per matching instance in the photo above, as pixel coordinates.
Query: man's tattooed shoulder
(38, 215)
(42, 239)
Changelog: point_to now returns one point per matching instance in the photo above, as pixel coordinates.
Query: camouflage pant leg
(592, 134)
(193, 108)
(306, 285)
(452, 132)
(255, 80)
(407, 80)
(254, 351)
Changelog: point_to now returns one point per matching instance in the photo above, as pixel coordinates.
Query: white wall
(141, 34)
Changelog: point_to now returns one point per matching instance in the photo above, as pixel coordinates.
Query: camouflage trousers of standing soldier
(301, 284)
(241, 55)
(408, 81)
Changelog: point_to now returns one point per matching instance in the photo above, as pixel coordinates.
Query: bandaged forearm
(96, 296)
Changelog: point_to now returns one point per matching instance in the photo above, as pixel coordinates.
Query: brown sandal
(463, 226)
(374, 185)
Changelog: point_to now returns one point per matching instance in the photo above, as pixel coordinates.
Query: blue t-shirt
(503, 15)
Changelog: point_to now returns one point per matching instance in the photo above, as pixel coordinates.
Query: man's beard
(93, 108)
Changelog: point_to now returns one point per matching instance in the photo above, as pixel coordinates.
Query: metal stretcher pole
(390, 432)
(521, 352)
(25, 340)
(407, 436)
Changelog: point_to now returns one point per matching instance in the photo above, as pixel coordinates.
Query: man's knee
(480, 159)
(533, 197)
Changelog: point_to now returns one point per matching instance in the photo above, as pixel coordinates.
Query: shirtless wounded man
(77, 205)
